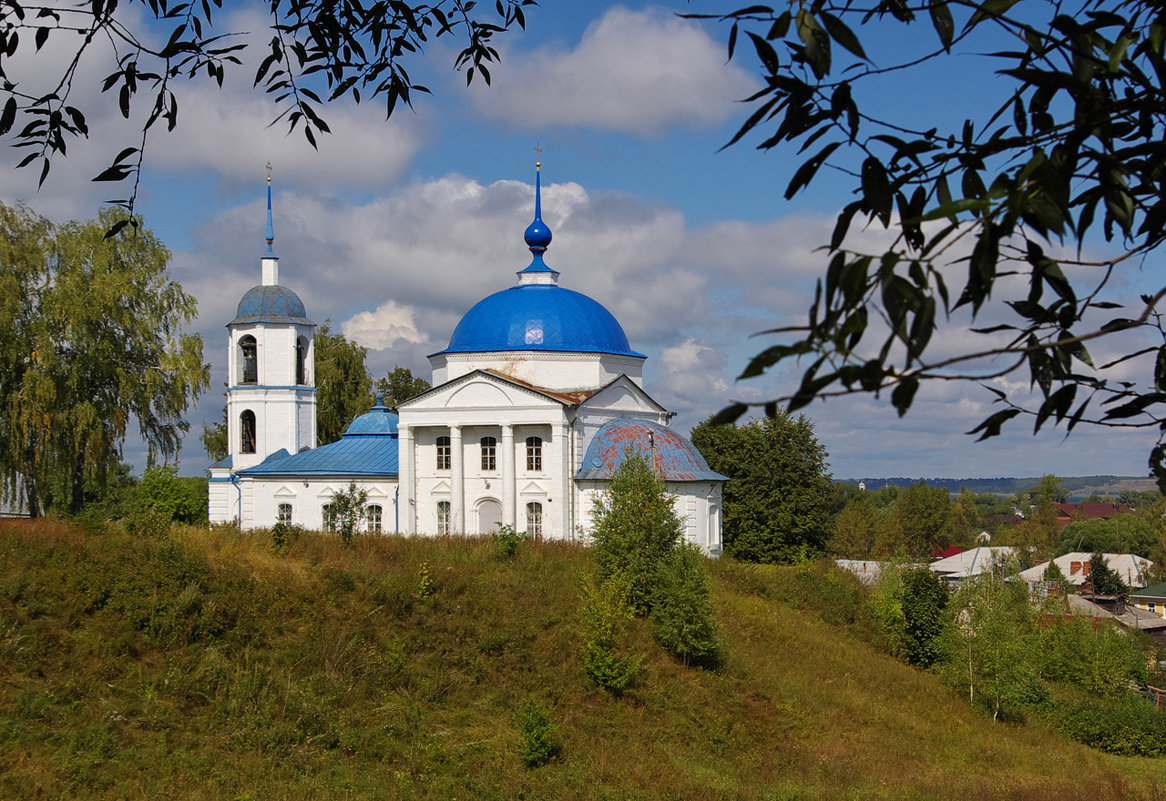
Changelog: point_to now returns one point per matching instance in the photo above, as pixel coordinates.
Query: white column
(508, 488)
(563, 512)
(406, 483)
(457, 490)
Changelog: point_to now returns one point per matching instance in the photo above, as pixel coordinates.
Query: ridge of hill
(1074, 485)
(210, 665)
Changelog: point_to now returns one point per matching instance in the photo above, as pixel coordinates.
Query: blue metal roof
(271, 304)
(542, 317)
(675, 458)
(368, 448)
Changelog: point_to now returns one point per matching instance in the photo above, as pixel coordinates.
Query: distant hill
(1077, 486)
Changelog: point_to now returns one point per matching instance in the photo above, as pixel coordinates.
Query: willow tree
(91, 339)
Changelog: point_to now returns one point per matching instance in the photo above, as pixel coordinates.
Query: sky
(391, 230)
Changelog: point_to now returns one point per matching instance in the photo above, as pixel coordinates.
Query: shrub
(425, 585)
(924, 602)
(346, 511)
(605, 614)
(682, 611)
(506, 541)
(538, 733)
(1134, 729)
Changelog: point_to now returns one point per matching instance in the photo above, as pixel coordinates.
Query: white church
(534, 404)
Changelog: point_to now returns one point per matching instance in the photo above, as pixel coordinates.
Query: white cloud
(637, 72)
(383, 327)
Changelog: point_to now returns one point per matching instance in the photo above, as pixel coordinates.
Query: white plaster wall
(558, 371)
(308, 496)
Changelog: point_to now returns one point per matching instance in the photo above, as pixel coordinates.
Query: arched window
(283, 514)
(489, 453)
(329, 517)
(248, 361)
(301, 361)
(443, 518)
(247, 432)
(443, 453)
(534, 454)
(534, 520)
(373, 515)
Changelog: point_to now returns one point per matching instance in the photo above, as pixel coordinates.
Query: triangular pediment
(285, 492)
(480, 390)
(533, 488)
(622, 395)
(442, 487)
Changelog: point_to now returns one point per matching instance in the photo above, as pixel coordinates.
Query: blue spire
(538, 235)
(270, 228)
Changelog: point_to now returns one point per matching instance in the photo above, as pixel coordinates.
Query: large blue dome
(542, 317)
(271, 304)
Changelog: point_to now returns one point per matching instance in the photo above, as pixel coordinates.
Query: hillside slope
(209, 666)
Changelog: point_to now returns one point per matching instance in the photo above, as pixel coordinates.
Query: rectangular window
(284, 514)
(329, 518)
(489, 453)
(373, 515)
(443, 518)
(443, 453)
(534, 454)
(534, 520)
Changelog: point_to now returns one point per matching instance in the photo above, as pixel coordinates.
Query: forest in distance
(1075, 486)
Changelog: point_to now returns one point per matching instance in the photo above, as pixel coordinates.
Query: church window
(283, 514)
(301, 361)
(489, 453)
(534, 454)
(249, 361)
(373, 515)
(443, 453)
(247, 432)
(329, 517)
(443, 518)
(534, 519)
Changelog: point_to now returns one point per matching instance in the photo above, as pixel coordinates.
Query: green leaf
(943, 23)
(842, 34)
(990, 427)
(876, 189)
(903, 394)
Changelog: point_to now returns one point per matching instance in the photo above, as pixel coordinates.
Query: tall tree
(778, 498)
(400, 385)
(92, 339)
(315, 53)
(1071, 153)
(343, 385)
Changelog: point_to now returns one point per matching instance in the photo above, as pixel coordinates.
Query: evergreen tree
(636, 529)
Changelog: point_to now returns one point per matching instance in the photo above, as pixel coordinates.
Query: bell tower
(271, 392)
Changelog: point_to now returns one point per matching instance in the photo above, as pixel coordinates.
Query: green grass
(207, 665)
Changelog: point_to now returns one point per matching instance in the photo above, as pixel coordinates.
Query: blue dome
(543, 317)
(675, 458)
(271, 304)
(378, 422)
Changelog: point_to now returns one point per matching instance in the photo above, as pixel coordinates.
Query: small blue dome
(271, 304)
(543, 317)
(378, 422)
(675, 458)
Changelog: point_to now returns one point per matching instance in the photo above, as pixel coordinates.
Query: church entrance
(489, 516)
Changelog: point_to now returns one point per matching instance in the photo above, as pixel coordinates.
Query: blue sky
(393, 229)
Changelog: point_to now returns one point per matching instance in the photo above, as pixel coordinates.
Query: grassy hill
(208, 665)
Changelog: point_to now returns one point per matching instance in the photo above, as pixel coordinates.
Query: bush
(924, 602)
(605, 614)
(682, 611)
(539, 744)
(1134, 729)
(506, 541)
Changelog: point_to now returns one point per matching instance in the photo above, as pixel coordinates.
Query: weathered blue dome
(675, 458)
(271, 304)
(543, 317)
(378, 422)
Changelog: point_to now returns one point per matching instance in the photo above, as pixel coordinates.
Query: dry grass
(211, 666)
